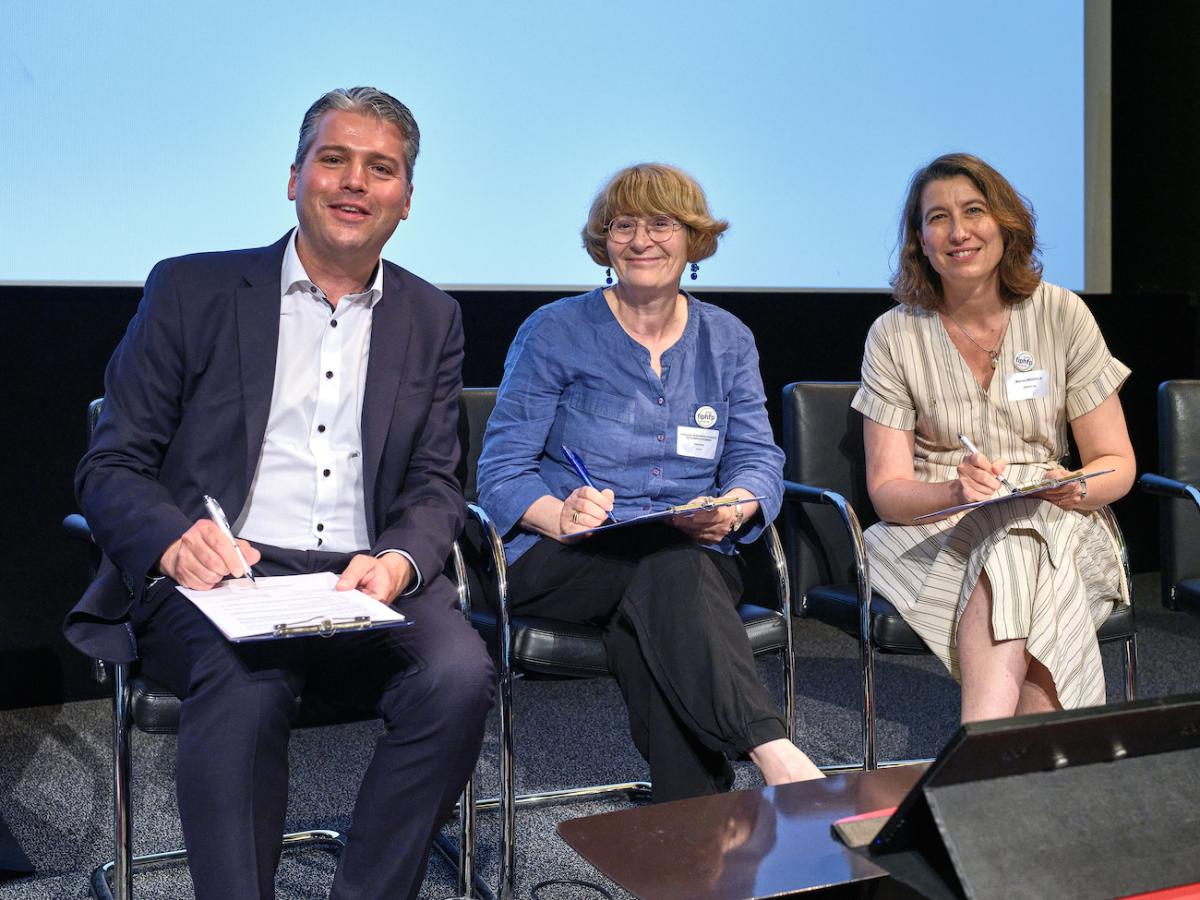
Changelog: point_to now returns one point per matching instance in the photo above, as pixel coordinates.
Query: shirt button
(656, 471)
(312, 288)
(326, 473)
(320, 429)
(320, 527)
(328, 374)
(661, 401)
(333, 323)
(320, 541)
(661, 437)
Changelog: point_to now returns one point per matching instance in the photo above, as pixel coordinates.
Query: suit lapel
(391, 328)
(258, 344)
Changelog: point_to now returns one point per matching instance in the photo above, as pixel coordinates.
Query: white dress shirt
(307, 492)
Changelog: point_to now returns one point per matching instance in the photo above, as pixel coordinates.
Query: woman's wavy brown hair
(649, 189)
(915, 283)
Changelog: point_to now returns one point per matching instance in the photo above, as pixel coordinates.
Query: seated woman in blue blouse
(661, 397)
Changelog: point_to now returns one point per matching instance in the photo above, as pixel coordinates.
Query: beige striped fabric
(1054, 573)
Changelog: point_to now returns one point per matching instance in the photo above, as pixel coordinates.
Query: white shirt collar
(295, 278)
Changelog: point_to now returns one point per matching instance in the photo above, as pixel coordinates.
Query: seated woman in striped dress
(1009, 596)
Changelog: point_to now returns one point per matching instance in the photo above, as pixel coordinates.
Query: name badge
(1028, 385)
(698, 443)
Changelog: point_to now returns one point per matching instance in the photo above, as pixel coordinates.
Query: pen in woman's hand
(582, 472)
(971, 448)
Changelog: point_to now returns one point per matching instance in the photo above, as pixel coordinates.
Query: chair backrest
(1179, 458)
(474, 408)
(823, 441)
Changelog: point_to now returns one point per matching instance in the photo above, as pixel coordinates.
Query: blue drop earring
(695, 270)
(608, 275)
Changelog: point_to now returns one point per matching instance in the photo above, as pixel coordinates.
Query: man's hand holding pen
(203, 556)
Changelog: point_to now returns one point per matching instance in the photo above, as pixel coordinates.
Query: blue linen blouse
(573, 376)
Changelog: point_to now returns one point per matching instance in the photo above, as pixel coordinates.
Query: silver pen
(971, 448)
(218, 515)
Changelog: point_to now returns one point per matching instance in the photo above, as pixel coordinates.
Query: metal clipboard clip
(323, 627)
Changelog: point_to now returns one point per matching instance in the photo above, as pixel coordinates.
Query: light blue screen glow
(139, 130)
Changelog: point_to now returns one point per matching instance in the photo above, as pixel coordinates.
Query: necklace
(994, 352)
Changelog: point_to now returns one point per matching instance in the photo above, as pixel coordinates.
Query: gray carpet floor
(55, 762)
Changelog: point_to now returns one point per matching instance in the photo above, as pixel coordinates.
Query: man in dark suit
(312, 388)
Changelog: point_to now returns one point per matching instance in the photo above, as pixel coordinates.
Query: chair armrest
(1114, 528)
(803, 493)
(783, 584)
(495, 550)
(460, 580)
(76, 526)
(1169, 487)
(807, 493)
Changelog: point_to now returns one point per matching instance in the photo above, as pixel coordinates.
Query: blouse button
(661, 401)
(656, 471)
(661, 437)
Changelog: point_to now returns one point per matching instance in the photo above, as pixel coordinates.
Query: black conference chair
(539, 647)
(827, 483)
(142, 703)
(1179, 473)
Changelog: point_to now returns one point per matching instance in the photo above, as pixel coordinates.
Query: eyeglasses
(660, 228)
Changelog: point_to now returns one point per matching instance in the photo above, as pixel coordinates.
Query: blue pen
(582, 472)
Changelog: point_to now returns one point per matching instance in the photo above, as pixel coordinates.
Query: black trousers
(675, 643)
(431, 683)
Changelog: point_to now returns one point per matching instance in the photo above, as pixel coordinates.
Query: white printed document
(286, 606)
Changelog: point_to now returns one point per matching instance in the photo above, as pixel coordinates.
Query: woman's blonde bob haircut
(915, 283)
(649, 189)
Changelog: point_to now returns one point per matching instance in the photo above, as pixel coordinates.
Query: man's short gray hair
(368, 101)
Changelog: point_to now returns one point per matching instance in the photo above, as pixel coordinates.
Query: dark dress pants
(675, 643)
(431, 683)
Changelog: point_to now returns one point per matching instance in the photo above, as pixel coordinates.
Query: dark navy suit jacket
(187, 394)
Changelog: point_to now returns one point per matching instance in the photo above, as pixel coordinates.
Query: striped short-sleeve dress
(1053, 572)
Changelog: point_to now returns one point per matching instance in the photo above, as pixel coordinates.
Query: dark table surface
(770, 842)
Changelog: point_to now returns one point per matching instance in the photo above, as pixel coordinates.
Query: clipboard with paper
(683, 509)
(1026, 490)
(286, 606)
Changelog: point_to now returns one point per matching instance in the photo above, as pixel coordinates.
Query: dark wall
(1156, 146)
(62, 337)
(57, 341)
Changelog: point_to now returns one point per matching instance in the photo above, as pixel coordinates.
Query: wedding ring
(575, 517)
(1082, 490)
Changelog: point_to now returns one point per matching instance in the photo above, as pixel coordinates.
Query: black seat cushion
(1118, 626)
(554, 647)
(1187, 595)
(155, 710)
(837, 605)
(152, 707)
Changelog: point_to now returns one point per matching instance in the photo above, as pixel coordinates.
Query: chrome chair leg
(466, 840)
(122, 801)
(1131, 667)
(507, 799)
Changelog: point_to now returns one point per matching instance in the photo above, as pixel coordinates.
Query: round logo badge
(1023, 360)
(706, 417)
